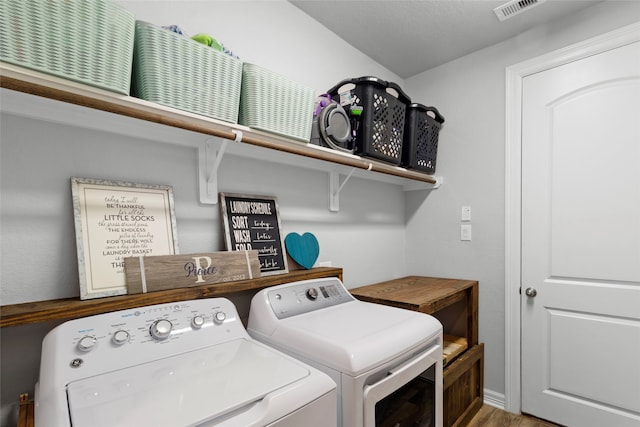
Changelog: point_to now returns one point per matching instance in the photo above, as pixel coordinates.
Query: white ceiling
(409, 37)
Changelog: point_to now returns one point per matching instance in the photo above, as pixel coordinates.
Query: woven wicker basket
(273, 103)
(86, 41)
(173, 70)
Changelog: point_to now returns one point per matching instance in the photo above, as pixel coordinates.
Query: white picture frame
(114, 220)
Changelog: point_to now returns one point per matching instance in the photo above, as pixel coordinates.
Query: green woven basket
(86, 41)
(173, 70)
(273, 103)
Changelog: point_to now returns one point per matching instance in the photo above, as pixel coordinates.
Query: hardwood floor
(488, 416)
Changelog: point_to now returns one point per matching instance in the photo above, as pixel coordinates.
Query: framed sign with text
(253, 223)
(115, 220)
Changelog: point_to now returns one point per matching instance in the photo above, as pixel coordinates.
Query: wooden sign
(252, 223)
(156, 273)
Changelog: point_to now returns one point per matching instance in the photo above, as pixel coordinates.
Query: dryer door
(389, 388)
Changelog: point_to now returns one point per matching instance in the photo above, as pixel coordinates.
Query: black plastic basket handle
(379, 82)
(402, 96)
(356, 80)
(439, 117)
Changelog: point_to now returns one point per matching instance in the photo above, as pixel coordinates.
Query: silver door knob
(530, 292)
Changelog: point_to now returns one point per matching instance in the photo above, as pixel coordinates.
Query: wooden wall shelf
(61, 101)
(73, 308)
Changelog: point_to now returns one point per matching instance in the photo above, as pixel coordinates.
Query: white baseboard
(494, 399)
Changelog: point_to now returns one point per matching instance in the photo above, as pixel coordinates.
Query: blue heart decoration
(302, 249)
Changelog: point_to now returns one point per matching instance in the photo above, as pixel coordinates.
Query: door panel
(581, 241)
(593, 156)
(577, 333)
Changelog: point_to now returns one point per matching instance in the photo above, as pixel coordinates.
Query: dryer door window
(387, 400)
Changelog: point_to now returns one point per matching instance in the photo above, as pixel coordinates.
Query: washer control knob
(312, 294)
(197, 322)
(87, 343)
(161, 329)
(120, 337)
(219, 317)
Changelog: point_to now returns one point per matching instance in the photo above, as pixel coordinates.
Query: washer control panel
(292, 299)
(125, 338)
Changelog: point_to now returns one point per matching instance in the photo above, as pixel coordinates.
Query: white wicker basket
(273, 103)
(173, 70)
(86, 41)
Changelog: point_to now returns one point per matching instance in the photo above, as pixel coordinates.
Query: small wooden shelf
(73, 308)
(428, 295)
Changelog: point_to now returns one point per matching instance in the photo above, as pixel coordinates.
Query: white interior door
(580, 333)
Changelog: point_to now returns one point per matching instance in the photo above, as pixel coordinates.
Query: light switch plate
(466, 213)
(465, 232)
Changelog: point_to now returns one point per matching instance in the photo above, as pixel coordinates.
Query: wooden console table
(455, 303)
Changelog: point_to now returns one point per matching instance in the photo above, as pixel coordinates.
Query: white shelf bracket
(335, 186)
(415, 185)
(438, 183)
(209, 160)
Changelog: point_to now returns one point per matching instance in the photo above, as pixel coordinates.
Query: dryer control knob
(120, 337)
(161, 329)
(197, 322)
(219, 317)
(87, 343)
(312, 294)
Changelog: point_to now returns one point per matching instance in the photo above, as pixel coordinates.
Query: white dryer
(386, 361)
(187, 363)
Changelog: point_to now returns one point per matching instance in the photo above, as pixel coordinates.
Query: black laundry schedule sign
(252, 223)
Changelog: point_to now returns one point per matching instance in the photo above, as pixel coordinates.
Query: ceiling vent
(515, 7)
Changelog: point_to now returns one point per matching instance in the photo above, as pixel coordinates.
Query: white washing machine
(188, 363)
(386, 361)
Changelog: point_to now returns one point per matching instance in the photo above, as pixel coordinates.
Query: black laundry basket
(421, 131)
(378, 110)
